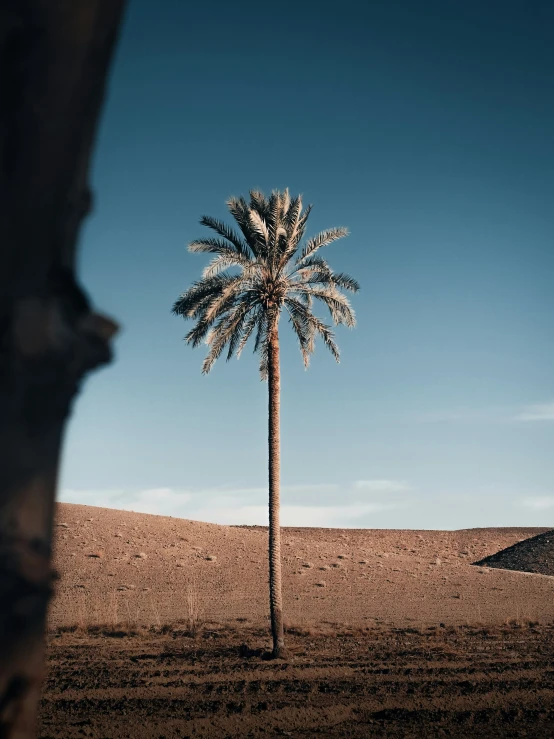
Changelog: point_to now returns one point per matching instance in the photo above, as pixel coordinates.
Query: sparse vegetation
(193, 613)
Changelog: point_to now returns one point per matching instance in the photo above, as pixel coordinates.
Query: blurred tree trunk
(54, 60)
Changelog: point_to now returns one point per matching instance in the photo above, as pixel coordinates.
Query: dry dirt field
(159, 629)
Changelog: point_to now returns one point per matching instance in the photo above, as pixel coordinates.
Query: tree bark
(54, 59)
(275, 577)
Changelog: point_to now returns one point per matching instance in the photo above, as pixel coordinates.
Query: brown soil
(491, 683)
(397, 656)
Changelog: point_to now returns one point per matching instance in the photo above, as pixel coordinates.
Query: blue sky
(426, 129)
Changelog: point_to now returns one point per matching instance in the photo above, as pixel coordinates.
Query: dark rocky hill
(531, 555)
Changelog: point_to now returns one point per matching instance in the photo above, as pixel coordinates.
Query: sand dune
(117, 565)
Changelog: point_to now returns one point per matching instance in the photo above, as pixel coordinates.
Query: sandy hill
(116, 565)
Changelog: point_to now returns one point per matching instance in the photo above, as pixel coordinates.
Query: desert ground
(159, 629)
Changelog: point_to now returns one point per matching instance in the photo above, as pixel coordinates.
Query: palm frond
(227, 233)
(322, 239)
(301, 226)
(214, 246)
(198, 332)
(259, 226)
(291, 231)
(226, 331)
(315, 271)
(261, 344)
(264, 361)
(316, 325)
(260, 204)
(261, 332)
(306, 299)
(217, 344)
(224, 261)
(220, 301)
(219, 264)
(239, 209)
(286, 201)
(200, 307)
(314, 278)
(274, 219)
(303, 330)
(277, 230)
(315, 263)
(236, 327)
(337, 303)
(247, 330)
(346, 282)
(205, 319)
(292, 216)
(225, 251)
(188, 302)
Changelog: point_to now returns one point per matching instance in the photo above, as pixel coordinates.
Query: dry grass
(88, 617)
(194, 613)
(521, 623)
(120, 614)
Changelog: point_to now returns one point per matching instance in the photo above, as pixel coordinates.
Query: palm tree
(270, 273)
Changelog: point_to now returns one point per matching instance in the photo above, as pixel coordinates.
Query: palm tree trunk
(54, 59)
(275, 580)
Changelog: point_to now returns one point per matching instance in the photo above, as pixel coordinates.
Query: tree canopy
(257, 273)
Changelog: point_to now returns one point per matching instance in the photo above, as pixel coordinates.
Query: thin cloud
(317, 488)
(493, 414)
(381, 486)
(537, 412)
(538, 504)
(236, 506)
(158, 501)
(318, 516)
(468, 415)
